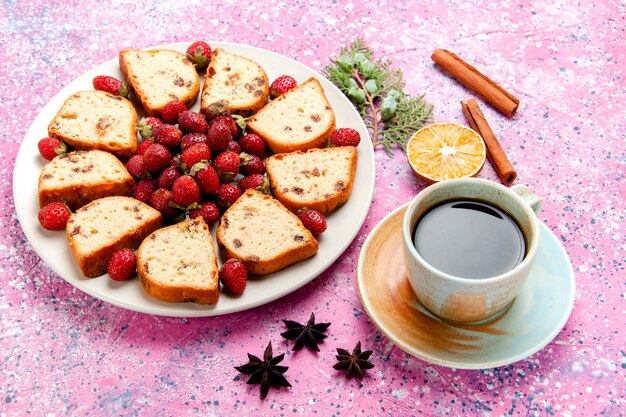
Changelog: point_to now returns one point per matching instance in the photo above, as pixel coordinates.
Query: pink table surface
(63, 352)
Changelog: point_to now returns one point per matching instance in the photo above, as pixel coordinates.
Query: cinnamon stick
(495, 154)
(470, 77)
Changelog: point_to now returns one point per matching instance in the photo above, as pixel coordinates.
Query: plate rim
(566, 312)
(178, 309)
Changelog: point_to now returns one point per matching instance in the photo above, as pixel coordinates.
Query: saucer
(536, 316)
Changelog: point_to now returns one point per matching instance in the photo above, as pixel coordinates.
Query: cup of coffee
(469, 245)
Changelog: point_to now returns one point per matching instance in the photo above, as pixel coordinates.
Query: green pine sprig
(376, 90)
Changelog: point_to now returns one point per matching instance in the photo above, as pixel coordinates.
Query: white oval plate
(343, 224)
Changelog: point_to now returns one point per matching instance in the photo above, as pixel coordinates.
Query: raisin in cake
(178, 263)
(298, 120)
(319, 179)
(158, 76)
(106, 225)
(95, 119)
(263, 234)
(237, 80)
(79, 177)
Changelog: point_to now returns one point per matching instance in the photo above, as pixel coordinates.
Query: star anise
(354, 363)
(305, 334)
(266, 372)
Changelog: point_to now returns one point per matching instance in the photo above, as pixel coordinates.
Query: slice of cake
(158, 76)
(178, 264)
(319, 179)
(95, 119)
(79, 177)
(104, 226)
(298, 120)
(263, 234)
(237, 80)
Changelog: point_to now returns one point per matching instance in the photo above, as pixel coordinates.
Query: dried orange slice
(442, 151)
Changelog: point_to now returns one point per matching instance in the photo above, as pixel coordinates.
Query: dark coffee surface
(469, 239)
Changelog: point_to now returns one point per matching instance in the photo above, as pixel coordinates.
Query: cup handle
(533, 200)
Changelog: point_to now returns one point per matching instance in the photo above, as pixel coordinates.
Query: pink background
(65, 353)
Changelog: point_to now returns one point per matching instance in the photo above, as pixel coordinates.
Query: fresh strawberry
(199, 53)
(156, 158)
(258, 182)
(171, 110)
(207, 179)
(54, 216)
(228, 194)
(146, 126)
(136, 168)
(253, 144)
(218, 136)
(141, 149)
(122, 265)
(313, 220)
(219, 108)
(167, 177)
(281, 85)
(233, 146)
(185, 191)
(191, 139)
(227, 165)
(110, 85)
(160, 200)
(168, 136)
(207, 210)
(199, 152)
(191, 122)
(230, 122)
(50, 148)
(144, 190)
(233, 275)
(345, 136)
(251, 164)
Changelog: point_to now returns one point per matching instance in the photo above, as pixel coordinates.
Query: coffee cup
(469, 245)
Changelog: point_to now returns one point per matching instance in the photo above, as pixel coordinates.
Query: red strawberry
(199, 53)
(198, 152)
(281, 85)
(168, 136)
(110, 85)
(345, 136)
(227, 165)
(54, 216)
(156, 158)
(191, 122)
(218, 136)
(313, 220)
(233, 275)
(233, 147)
(141, 149)
(230, 122)
(171, 110)
(208, 211)
(146, 126)
(207, 179)
(192, 138)
(228, 194)
(136, 168)
(50, 148)
(160, 200)
(257, 181)
(167, 177)
(219, 108)
(253, 144)
(144, 190)
(185, 191)
(122, 265)
(251, 164)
